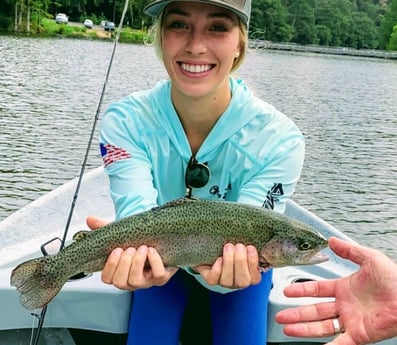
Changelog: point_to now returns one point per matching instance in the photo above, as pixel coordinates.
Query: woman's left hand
(236, 269)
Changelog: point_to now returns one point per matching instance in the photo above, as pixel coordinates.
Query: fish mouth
(317, 258)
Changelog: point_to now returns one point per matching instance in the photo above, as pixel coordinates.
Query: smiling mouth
(193, 68)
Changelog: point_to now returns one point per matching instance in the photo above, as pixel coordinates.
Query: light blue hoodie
(254, 152)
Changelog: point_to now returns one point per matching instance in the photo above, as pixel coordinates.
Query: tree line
(369, 24)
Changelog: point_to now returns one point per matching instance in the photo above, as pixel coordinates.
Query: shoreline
(78, 31)
(371, 53)
(97, 33)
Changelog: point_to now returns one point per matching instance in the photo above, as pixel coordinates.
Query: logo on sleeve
(273, 196)
(111, 154)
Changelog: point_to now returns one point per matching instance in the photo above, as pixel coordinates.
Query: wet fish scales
(184, 232)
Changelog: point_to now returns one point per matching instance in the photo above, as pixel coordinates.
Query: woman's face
(199, 45)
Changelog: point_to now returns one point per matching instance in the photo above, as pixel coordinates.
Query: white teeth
(195, 68)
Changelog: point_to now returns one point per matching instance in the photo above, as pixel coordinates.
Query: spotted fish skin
(185, 232)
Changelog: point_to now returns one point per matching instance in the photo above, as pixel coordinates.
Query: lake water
(346, 107)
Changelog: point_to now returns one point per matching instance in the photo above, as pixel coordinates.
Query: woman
(201, 133)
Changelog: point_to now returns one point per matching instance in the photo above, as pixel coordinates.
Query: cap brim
(155, 8)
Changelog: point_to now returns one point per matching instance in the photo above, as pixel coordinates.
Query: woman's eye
(177, 25)
(219, 27)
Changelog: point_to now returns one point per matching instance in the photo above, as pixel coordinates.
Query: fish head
(297, 245)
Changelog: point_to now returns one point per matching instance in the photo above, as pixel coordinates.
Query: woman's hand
(236, 269)
(132, 268)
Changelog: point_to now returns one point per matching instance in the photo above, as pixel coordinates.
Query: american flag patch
(111, 154)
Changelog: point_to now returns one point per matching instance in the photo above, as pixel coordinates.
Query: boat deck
(63, 336)
(76, 317)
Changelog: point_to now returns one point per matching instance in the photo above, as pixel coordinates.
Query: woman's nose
(196, 43)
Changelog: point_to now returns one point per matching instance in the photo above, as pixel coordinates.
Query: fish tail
(35, 282)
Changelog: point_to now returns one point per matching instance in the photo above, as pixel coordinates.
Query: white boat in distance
(86, 305)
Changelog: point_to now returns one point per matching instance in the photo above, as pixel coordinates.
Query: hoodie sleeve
(126, 162)
(275, 182)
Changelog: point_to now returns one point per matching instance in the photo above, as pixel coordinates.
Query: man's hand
(365, 303)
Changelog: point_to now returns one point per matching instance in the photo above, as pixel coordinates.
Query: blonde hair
(155, 33)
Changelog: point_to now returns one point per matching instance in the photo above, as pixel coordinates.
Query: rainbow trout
(185, 232)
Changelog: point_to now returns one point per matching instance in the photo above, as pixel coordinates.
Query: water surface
(345, 106)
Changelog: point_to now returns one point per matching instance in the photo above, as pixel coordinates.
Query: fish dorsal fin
(79, 235)
(175, 202)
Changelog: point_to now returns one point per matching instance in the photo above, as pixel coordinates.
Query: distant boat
(89, 305)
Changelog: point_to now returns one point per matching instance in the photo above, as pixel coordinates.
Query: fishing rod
(41, 316)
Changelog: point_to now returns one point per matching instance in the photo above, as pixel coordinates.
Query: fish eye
(305, 245)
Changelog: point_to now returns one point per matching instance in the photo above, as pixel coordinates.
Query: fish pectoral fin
(264, 265)
(175, 202)
(79, 235)
(171, 268)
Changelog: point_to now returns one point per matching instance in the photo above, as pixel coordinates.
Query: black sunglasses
(197, 175)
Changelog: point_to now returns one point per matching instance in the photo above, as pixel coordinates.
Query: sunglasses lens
(197, 175)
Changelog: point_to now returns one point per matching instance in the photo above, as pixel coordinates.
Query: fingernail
(143, 249)
(229, 248)
(240, 248)
(116, 252)
(251, 250)
(130, 251)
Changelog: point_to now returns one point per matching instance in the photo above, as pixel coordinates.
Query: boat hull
(89, 305)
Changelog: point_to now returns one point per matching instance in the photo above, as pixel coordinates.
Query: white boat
(89, 305)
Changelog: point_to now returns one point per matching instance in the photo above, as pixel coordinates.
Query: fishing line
(83, 166)
(75, 196)
(33, 322)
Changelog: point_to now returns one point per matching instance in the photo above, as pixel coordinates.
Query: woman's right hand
(132, 268)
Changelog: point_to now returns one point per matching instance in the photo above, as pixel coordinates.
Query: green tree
(363, 34)
(269, 21)
(337, 16)
(6, 15)
(323, 34)
(27, 14)
(351, 23)
(392, 45)
(302, 18)
(388, 23)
